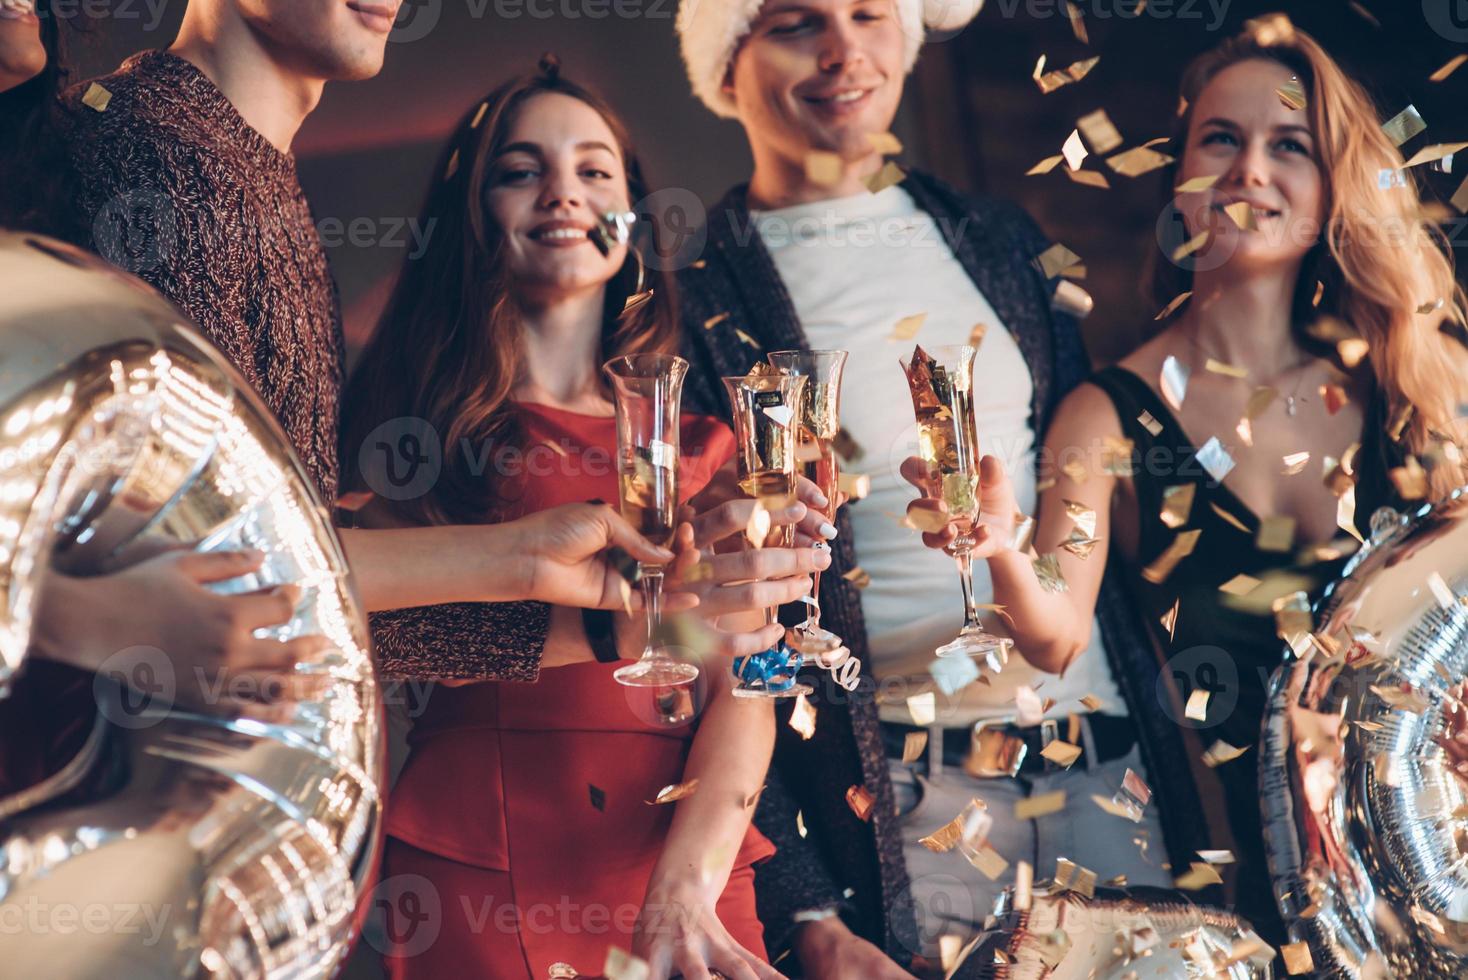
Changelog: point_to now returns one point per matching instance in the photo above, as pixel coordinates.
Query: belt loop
(935, 751)
(1088, 742)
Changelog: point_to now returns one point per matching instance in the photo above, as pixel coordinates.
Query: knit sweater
(173, 186)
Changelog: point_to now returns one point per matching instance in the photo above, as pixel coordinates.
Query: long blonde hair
(1379, 259)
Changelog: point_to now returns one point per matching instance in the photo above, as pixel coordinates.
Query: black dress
(1223, 643)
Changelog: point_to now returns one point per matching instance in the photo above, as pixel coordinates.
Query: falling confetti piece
(953, 674)
(715, 320)
(1352, 351)
(1177, 504)
(453, 166)
(1276, 533)
(927, 521)
(1169, 618)
(1174, 382)
(913, 746)
(674, 793)
(1039, 805)
(1077, 22)
(860, 799)
(857, 577)
(1197, 708)
(1241, 213)
(885, 143)
(1045, 166)
(1295, 463)
(1220, 752)
(1365, 14)
(1224, 368)
(1047, 570)
(780, 415)
(946, 837)
(1073, 150)
(1079, 544)
(1292, 94)
(1410, 480)
(1196, 184)
(1063, 754)
(96, 98)
(1055, 260)
(856, 486)
(907, 328)
(1431, 306)
(824, 169)
(1199, 876)
(1137, 161)
(1229, 518)
(1334, 397)
(890, 175)
(1454, 63)
(1072, 877)
(988, 861)
(1089, 178)
(1404, 125)
(1217, 857)
(1099, 131)
(1024, 880)
(1240, 585)
(757, 531)
(1149, 423)
(1215, 459)
(923, 708)
(1082, 515)
(1091, 702)
(803, 717)
(1190, 246)
(1297, 958)
(1180, 548)
(1433, 153)
(1172, 306)
(622, 965)
(800, 823)
(1270, 29)
(746, 338)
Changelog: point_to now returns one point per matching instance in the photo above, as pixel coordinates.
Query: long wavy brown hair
(1379, 258)
(449, 349)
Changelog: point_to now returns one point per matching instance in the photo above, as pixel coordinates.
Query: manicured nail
(828, 531)
(819, 499)
(823, 558)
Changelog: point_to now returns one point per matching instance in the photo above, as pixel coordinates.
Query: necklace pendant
(1289, 404)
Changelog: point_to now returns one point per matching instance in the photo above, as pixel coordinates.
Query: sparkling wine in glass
(647, 390)
(817, 425)
(942, 387)
(766, 407)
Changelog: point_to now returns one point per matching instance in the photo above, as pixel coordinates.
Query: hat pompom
(950, 15)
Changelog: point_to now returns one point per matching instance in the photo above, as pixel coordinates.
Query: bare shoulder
(1084, 416)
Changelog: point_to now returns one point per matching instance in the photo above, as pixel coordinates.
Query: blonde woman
(1246, 410)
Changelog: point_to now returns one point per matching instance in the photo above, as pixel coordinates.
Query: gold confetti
(1196, 184)
(1180, 548)
(1292, 94)
(846, 447)
(1242, 215)
(889, 175)
(1137, 161)
(1169, 619)
(885, 144)
(1047, 570)
(746, 338)
(1229, 518)
(1220, 752)
(1224, 368)
(1091, 702)
(1404, 125)
(1082, 515)
(1174, 381)
(1055, 260)
(1049, 81)
(908, 327)
(1410, 480)
(1177, 504)
(923, 708)
(1088, 177)
(715, 320)
(1334, 397)
(1295, 463)
(1024, 881)
(1112, 807)
(1364, 14)
(96, 97)
(857, 577)
(1197, 708)
(1073, 150)
(1240, 585)
(622, 965)
(1431, 306)
(1044, 166)
(1072, 877)
(823, 168)
(453, 166)
(855, 486)
(927, 521)
(803, 717)
(1270, 29)
(913, 746)
(1149, 423)
(860, 799)
(1352, 351)
(1116, 456)
(989, 861)
(1172, 305)
(1297, 958)
(674, 793)
(1099, 131)
(946, 837)
(1191, 245)
(1454, 63)
(1077, 23)
(800, 822)
(1063, 754)
(1433, 153)
(1039, 805)
(1199, 875)
(757, 530)
(1276, 533)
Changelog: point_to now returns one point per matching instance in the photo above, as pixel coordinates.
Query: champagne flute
(766, 407)
(647, 390)
(942, 386)
(818, 423)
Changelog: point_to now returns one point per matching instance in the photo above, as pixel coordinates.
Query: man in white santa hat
(821, 250)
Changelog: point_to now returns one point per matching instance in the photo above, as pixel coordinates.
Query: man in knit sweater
(821, 250)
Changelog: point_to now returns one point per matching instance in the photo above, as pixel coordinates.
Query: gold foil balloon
(1365, 820)
(223, 842)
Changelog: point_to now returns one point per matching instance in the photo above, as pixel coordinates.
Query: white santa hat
(709, 31)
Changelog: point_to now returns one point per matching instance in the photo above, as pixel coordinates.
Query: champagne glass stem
(652, 599)
(966, 578)
(813, 617)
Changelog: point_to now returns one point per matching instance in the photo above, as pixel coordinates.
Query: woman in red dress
(521, 832)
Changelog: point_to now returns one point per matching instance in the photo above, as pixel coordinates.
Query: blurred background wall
(972, 113)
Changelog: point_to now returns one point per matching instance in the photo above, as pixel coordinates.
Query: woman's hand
(828, 950)
(163, 605)
(722, 508)
(997, 508)
(678, 932)
(566, 548)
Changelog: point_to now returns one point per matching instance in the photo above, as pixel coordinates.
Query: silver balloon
(1117, 935)
(1366, 825)
(179, 842)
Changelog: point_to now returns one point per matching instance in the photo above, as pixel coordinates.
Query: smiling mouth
(1260, 214)
(381, 16)
(842, 98)
(559, 235)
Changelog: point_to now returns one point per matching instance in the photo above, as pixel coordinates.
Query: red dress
(519, 832)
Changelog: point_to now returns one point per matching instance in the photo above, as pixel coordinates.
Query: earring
(640, 294)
